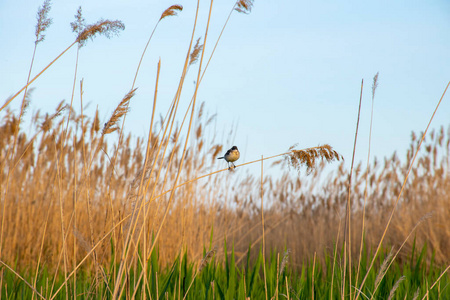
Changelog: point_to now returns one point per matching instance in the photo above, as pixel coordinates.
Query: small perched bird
(231, 156)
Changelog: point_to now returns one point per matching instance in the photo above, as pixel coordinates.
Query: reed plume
(206, 259)
(375, 84)
(80, 23)
(307, 157)
(193, 58)
(383, 268)
(284, 261)
(395, 287)
(27, 100)
(171, 11)
(104, 27)
(244, 6)
(81, 240)
(119, 112)
(46, 125)
(43, 21)
(95, 127)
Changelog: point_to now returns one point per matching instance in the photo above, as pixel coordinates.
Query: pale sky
(289, 72)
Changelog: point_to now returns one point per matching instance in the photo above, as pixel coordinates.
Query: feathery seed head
(383, 268)
(284, 261)
(104, 27)
(81, 240)
(395, 287)
(375, 84)
(244, 6)
(308, 157)
(46, 125)
(209, 255)
(79, 24)
(121, 110)
(171, 11)
(196, 52)
(95, 127)
(43, 21)
(27, 100)
(416, 294)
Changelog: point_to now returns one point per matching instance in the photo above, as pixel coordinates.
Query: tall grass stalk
(374, 87)
(262, 226)
(335, 258)
(146, 161)
(61, 210)
(313, 277)
(347, 227)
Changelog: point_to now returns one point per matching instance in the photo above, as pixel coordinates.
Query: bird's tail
(220, 157)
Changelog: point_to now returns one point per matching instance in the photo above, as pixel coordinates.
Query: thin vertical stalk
(347, 228)
(367, 181)
(61, 210)
(287, 288)
(71, 101)
(143, 173)
(88, 182)
(42, 247)
(262, 225)
(335, 259)
(278, 273)
(75, 168)
(143, 53)
(312, 276)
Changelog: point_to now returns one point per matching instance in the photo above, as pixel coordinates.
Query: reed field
(90, 211)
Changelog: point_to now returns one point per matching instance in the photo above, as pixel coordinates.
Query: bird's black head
(234, 148)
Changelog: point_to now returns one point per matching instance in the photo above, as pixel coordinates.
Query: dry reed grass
(292, 203)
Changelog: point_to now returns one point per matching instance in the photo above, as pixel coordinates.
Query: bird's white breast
(233, 156)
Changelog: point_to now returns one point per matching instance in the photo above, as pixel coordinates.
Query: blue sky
(289, 72)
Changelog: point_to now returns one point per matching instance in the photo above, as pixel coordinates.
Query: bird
(231, 156)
